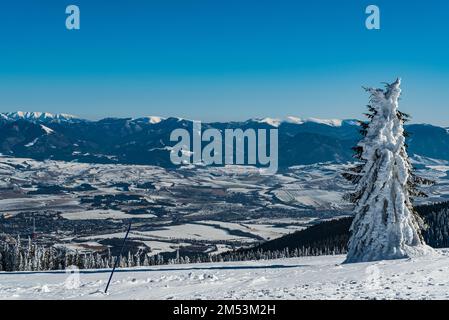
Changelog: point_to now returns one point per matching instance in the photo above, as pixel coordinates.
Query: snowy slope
(299, 278)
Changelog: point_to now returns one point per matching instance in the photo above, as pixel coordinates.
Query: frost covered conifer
(385, 225)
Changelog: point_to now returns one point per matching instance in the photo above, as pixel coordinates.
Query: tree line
(33, 257)
(326, 238)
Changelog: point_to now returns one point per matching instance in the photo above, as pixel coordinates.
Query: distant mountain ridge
(38, 116)
(50, 117)
(146, 140)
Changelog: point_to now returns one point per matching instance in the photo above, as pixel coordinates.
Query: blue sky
(222, 60)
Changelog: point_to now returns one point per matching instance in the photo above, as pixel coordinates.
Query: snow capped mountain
(294, 120)
(38, 116)
(299, 121)
(144, 140)
(328, 122)
(272, 122)
(151, 119)
(62, 117)
(154, 119)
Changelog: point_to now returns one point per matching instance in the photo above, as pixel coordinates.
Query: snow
(315, 198)
(265, 231)
(296, 120)
(47, 129)
(161, 246)
(31, 143)
(188, 231)
(439, 168)
(16, 205)
(85, 247)
(152, 119)
(272, 122)
(322, 277)
(426, 161)
(101, 214)
(192, 231)
(329, 122)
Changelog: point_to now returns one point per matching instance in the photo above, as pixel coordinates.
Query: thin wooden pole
(117, 259)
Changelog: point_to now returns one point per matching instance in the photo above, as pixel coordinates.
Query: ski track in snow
(298, 278)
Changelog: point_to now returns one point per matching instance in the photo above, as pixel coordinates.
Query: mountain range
(146, 140)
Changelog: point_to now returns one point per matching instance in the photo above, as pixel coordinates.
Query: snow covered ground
(299, 278)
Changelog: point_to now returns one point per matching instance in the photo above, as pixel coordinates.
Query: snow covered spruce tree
(385, 225)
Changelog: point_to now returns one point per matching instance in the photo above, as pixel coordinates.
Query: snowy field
(299, 278)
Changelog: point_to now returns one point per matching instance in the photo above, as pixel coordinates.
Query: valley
(194, 209)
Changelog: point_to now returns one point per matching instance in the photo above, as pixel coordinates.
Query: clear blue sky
(222, 59)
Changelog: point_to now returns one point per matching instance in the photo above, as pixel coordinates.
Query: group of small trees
(17, 256)
(28, 256)
(249, 255)
(437, 230)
